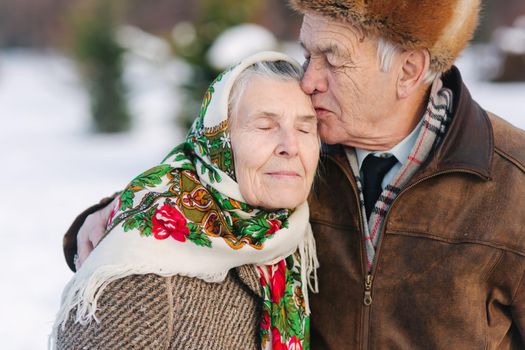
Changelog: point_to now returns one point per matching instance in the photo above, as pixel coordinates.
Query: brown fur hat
(443, 27)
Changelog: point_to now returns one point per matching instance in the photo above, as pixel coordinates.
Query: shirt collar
(401, 151)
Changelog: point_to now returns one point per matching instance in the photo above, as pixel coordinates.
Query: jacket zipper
(367, 298)
(368, 290)
(369, 275)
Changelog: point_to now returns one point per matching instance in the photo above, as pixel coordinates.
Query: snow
(503, 99)
(54, 167)
(511, 39)
(238, 42)
(143, 44)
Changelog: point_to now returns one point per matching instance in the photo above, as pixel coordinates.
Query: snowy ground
(53, 168)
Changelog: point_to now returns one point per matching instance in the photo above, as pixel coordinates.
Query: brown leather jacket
(451, 261)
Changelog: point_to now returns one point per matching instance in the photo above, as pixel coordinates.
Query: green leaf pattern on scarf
(289, 325)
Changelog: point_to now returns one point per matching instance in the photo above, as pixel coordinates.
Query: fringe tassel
(309, 266)
(83, 293)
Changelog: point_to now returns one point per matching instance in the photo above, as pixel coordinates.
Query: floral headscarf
(187, 216)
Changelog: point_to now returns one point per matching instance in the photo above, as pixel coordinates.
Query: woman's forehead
(262, 93)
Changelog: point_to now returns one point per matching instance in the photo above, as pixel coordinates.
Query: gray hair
(276, 70)
(386, 51)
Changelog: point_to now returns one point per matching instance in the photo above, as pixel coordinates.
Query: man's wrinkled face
(275, 143)
(350, 94)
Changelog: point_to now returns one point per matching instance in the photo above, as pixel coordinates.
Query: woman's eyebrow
(310, 118)
(267, 114)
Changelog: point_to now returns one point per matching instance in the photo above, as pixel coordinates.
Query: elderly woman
(212, 248)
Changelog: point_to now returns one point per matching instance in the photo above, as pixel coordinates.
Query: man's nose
(314, 78)
(288, 146)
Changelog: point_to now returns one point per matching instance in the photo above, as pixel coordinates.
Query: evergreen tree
(214, 17)
(100, 57)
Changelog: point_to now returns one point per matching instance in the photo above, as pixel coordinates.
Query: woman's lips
(283, 174)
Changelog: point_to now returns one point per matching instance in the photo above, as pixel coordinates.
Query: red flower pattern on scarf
(275, 225)
(277, 344)
(278, 281)
(114, 211)
(263, 280)
(295, 344)
(168, 221)
(265, 322)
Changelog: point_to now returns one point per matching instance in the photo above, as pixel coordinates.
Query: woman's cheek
(311, 152)
(245, 186)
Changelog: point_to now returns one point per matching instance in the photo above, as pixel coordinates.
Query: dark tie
(374, 170)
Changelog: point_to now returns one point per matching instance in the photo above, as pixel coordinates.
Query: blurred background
(93, 91)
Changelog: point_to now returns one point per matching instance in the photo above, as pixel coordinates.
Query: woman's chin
(283, 200)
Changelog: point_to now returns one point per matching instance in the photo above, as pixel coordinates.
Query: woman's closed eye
(265, 126)
(307, 127)
(265, 123)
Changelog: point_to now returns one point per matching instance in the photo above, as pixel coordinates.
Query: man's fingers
(83, 251)
(99, 223)
(96, 236)
(87, 238)
(91, 232)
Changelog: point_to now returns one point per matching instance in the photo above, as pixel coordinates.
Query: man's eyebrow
(302, 46)
(330, 48)
(325, 49)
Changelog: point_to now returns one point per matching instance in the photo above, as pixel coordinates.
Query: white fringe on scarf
(122, 254)
(309, 266)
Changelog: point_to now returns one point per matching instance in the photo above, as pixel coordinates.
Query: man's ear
(412, 70)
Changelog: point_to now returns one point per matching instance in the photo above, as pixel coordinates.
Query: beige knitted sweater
(153, 312)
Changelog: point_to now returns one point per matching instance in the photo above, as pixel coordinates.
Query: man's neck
(401, 150)
(396, 129)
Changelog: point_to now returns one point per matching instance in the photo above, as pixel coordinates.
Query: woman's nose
(288, 146)
(314, 79)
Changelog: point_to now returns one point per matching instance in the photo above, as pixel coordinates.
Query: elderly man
(419, 213)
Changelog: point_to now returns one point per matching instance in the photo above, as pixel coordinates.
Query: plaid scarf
(435, 122)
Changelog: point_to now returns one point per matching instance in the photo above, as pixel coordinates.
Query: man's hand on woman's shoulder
(91, 232)
(86, 232)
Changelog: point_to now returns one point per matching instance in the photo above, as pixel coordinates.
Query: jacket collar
(469, 143)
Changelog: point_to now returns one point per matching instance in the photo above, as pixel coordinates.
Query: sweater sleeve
(134, 313)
